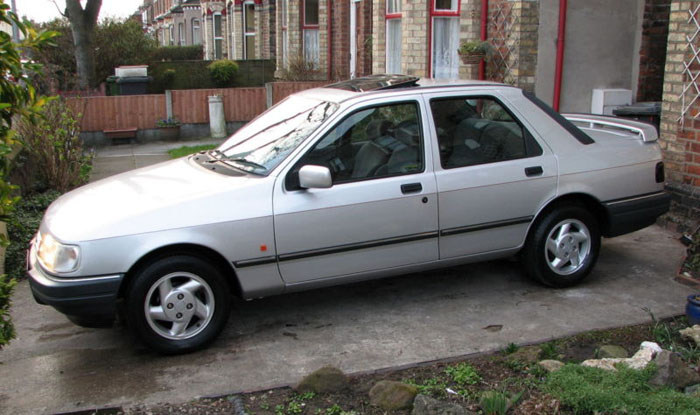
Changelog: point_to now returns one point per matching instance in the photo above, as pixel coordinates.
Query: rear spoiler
(647, 132)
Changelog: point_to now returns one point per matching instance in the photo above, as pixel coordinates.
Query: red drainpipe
(560, 54)
(484, 34)
(330, 37)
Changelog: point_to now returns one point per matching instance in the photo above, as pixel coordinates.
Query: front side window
(371, 143)
(479, 130)
(263, 143)
(311, 32)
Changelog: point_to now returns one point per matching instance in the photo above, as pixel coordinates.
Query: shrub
(223, 72)
(7, 331)
(21, 229)
(177, 53)
(463, 374)
(53, 147)
(586, 390)
(298, 69)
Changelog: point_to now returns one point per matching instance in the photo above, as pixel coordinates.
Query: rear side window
(479, 130)
(579, 135)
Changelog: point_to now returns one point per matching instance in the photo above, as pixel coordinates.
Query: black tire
(541, 263)
(194, 284)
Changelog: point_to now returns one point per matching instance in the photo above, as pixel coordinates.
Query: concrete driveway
(54, 366)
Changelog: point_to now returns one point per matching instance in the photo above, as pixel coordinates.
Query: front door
(381, 211)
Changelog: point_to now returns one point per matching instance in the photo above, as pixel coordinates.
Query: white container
(604, 101)
(127, 71)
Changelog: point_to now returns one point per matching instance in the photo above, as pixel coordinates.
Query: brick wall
(513, 31)
(469, 31)
(378, 36)
(680, 129)
(652, 53)
(340, 60)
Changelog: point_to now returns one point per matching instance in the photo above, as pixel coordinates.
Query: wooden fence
(190, 106)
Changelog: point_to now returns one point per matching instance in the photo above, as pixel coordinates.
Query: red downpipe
(330, 37)
(484, 35)
(560, 54)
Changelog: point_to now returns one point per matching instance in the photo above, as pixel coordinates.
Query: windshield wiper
(244, 161)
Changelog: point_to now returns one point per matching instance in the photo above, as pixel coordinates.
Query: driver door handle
(411, 188)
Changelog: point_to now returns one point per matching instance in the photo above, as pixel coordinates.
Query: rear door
(493, 175)
(381, 211)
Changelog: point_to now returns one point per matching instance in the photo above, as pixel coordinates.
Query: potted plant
(169, 128)
(474, 51)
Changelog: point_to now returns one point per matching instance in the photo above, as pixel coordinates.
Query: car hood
(169, 195)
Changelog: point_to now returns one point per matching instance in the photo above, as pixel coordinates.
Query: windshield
(263, 143)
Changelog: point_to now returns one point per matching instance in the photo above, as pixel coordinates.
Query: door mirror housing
(315, 177)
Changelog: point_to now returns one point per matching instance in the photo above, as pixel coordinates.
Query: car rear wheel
(562, 247)
(178, 304)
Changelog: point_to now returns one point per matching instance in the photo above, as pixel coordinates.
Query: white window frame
(220, 38)
(196, 31)
(181, 32)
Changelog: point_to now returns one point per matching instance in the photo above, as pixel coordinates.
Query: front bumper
(85, 299)
(631, 214)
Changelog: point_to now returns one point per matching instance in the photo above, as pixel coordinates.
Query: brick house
(334, 36)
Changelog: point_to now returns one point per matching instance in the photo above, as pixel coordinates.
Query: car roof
(386, 84)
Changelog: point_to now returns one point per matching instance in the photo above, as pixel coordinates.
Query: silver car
(362, 179)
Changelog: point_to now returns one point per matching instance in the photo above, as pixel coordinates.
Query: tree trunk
(82, 23)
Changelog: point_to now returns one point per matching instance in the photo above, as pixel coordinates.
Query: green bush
(177, 53)
(53, 146)
(586, 390)
(7, 331)
(21, 229)
(223, 72)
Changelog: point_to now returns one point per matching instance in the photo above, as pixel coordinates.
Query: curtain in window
(445, 44)
(311, 52)
(393, 46)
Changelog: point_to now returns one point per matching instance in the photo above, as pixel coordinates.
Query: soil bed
(512, 371)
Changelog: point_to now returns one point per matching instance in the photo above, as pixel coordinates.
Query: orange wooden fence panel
(240, 104)
(107, 113)
(281, 90)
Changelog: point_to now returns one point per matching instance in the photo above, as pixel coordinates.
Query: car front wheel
(178, 304)
(563, 247)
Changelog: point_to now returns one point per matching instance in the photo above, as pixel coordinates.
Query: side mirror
(315, 177)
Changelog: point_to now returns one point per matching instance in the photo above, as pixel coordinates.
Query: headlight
(55, 256)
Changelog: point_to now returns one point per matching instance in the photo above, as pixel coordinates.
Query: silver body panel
(278, 240)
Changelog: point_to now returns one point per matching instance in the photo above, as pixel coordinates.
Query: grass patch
(187, 150)
(586, 390)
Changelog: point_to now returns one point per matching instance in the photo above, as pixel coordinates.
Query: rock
(651, 345)
(639, 361)
(424, 405)
(551, 365)
(612, 351)
(673, 372)
(324, 380)
(692, 333)
(527, 354)
(693, 391)
(391, 395)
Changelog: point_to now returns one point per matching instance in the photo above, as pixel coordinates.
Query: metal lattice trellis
(691, 69)
(500, 30)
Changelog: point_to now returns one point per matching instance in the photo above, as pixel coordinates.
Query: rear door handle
(411, 188)
(533, 171)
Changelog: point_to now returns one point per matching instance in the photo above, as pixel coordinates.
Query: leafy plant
(510, 349)
(475, 48)
(587, 390)
(549, 351)
(18, 98)
(21, 228)
(52, 143)
(168, 123)
(463, 374)
(299, 69)
(335, 410)
(498, 403)
(223, 72)
(432, 386)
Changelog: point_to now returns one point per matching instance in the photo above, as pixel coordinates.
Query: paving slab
(54, 366)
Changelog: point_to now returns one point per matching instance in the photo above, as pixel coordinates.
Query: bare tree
(83, 22)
